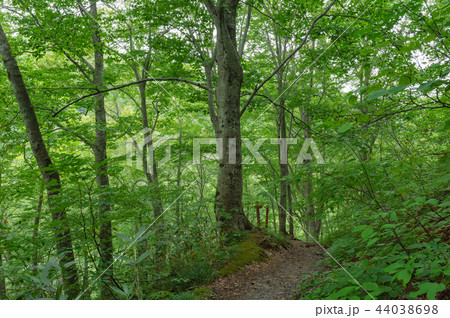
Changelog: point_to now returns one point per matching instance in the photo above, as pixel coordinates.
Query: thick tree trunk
(100, 149)
(50, 175)
(228, 204)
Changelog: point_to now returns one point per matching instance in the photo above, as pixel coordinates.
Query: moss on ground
(251, 250)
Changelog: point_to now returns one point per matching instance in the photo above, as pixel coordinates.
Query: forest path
(275, 278)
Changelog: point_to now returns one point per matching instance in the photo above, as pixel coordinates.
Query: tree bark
(100, 154)
(228, 203)
(284, 168)
(37, 220)
(49, 173)
(313, 224)
(291, 210)
(3, 295)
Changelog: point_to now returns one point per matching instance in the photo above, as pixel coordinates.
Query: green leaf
(393, 216)
(123, 237)
(398, 88)
(69, 264)
(430, 85)
(359, 228)
(142, 257)
(431, 289)
(352, 100)
(393, 267)
(377, 94)
(404, 276)
(447, 270)
(344, 128)
(372, 241)
(342, 292)
(370, 286)
(404, 80)
(367, 232)
(118, 291)
(433, 202)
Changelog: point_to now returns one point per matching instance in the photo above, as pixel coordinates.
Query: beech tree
(49, 173)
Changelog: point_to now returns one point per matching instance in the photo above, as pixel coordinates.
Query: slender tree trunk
(366, 151)
(228, 203)
(313, 224)
(2, 275)
(180, 162)
(100, 154)
(291, 210)
(49, 173)
(37, 220)
(284, 168)
(151, 174)
(3, 295)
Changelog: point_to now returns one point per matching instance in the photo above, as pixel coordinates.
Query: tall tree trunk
(228, 203)
(282, 157)
(151, 174)
(49, 173)
(179, 164)
(313, 224)
(100, 148)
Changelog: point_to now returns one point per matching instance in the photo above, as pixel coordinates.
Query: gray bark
(312, 223)
(50, 175)
(284, 168)
(37, 220)
(228, 203)
(99, 149)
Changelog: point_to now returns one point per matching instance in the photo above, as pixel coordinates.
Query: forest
(224, 149)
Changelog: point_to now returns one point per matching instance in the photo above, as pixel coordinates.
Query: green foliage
(372, 92)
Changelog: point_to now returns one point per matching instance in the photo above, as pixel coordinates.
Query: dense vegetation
(103, 105)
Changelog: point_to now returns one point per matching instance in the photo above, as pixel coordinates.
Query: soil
(276, 278)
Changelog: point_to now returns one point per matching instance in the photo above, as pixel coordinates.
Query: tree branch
(169, 79)
(83, 139)
(257, 88)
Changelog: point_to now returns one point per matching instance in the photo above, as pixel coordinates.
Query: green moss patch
(248, 251)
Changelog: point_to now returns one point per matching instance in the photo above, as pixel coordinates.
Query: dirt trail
(276, 278)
